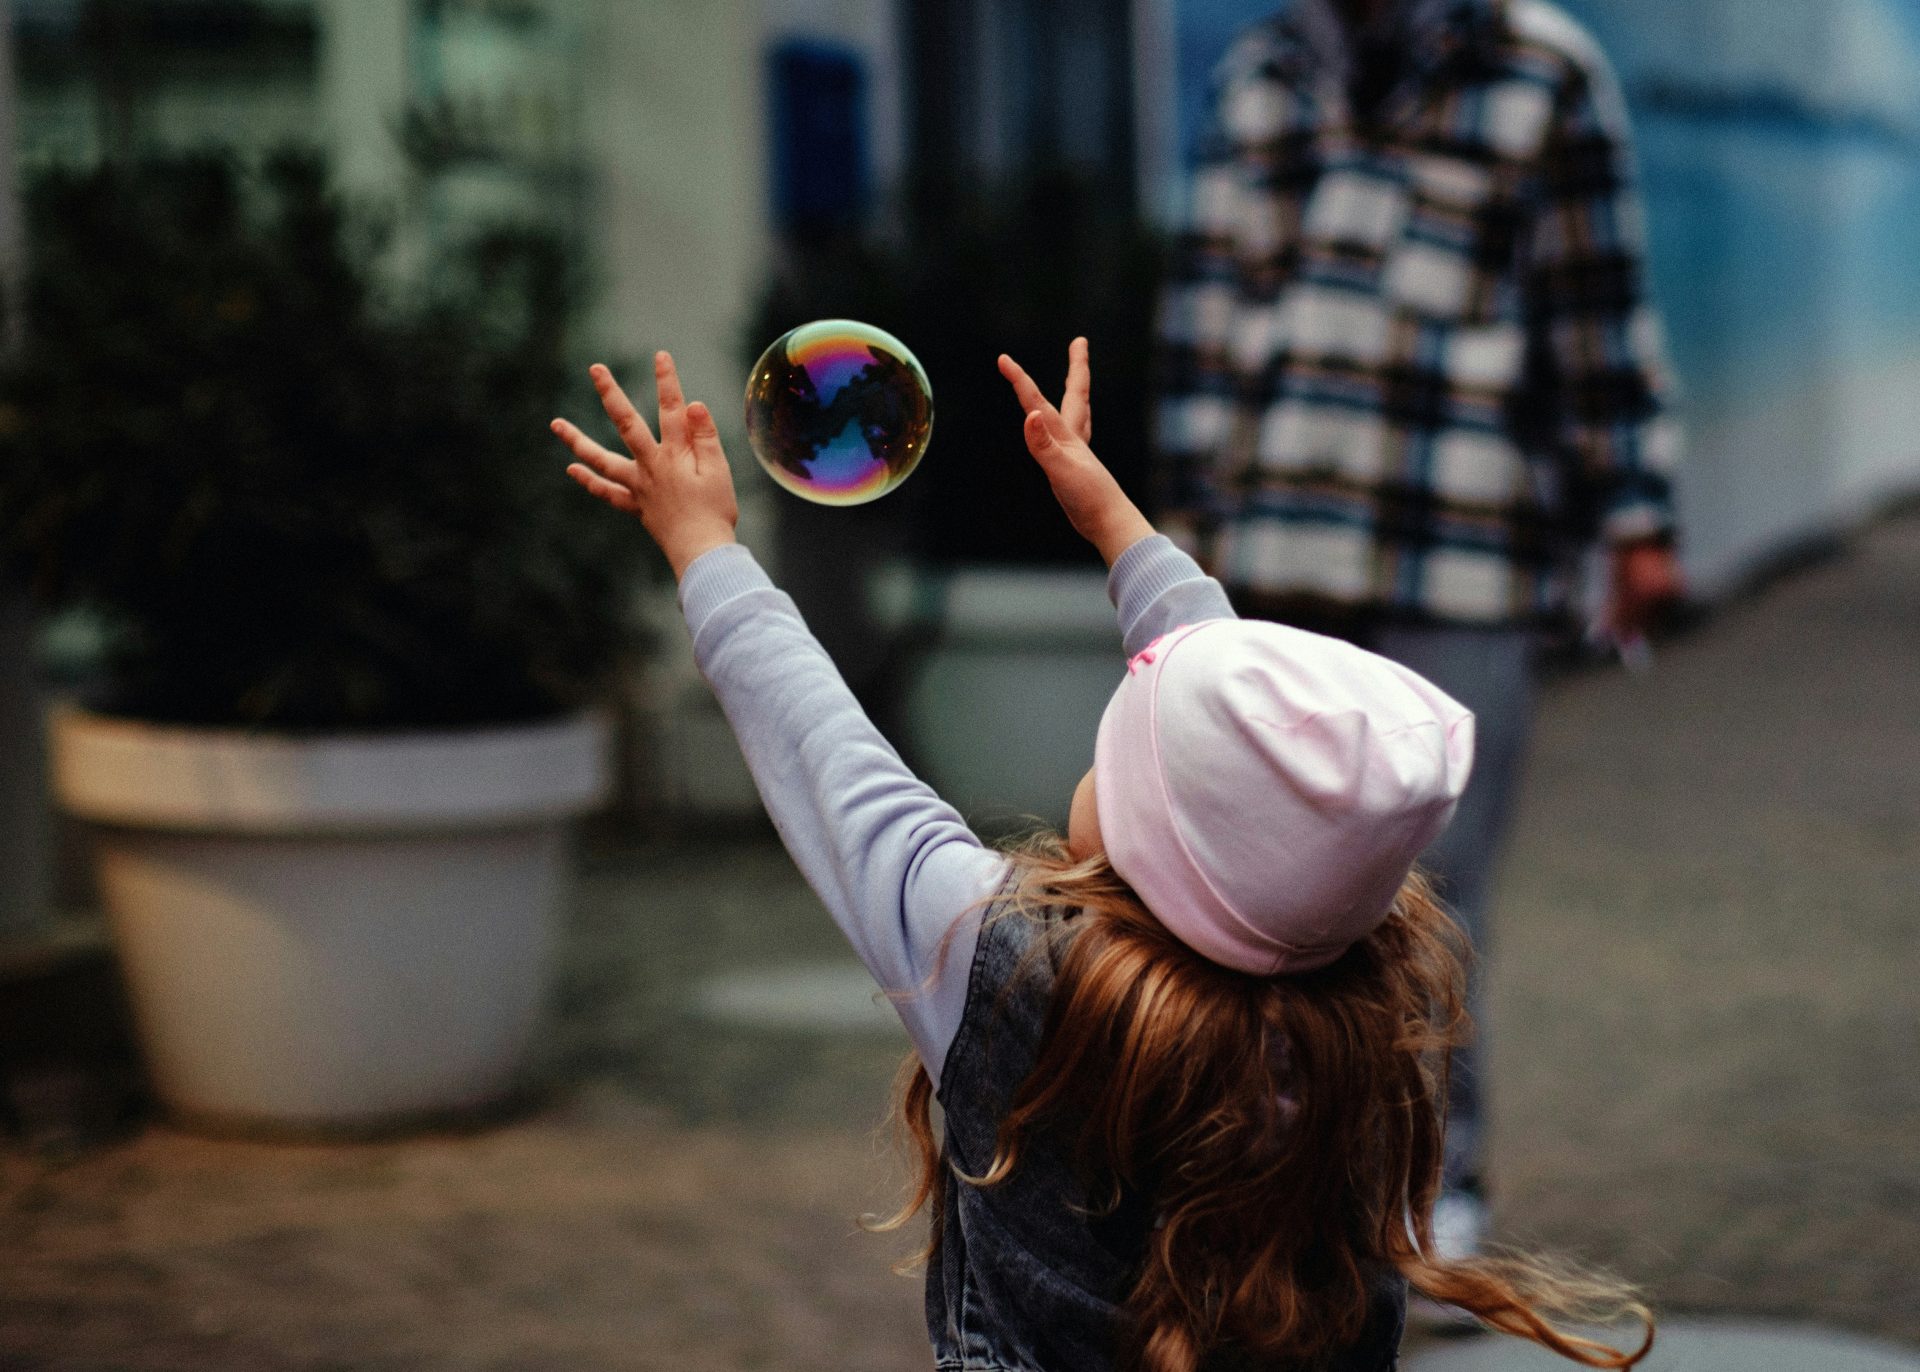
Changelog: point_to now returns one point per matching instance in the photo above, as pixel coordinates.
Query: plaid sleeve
(1196, 389)
(1596, 333)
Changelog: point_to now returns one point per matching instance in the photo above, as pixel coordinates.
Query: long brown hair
(1287, 1129)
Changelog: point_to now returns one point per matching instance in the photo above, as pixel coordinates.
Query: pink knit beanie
(1265, 790)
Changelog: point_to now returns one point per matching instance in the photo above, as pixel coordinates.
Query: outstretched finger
(1047, 434)
(591, 454)
(704, 435)
(1028, 394)
(1076, 404)
(613, 492)
(632, 428)
(673, 404)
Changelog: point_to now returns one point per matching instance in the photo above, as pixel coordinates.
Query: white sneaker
(1460, 1223)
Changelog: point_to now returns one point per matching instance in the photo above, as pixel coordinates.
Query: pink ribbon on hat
(1146, 656)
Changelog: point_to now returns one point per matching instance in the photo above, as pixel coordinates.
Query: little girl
(1190, 1056)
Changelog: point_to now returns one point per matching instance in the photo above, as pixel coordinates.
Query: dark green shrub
(300, 499)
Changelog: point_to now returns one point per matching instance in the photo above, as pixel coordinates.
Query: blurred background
(292, 287)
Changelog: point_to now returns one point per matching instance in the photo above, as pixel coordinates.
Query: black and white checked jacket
(1409, 367)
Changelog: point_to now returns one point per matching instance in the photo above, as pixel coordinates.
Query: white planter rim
(115, 770)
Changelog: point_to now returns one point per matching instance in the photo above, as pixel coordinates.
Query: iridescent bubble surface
(838, 412)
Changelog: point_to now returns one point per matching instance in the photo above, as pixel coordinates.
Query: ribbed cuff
(715, 577)
(1144, 573)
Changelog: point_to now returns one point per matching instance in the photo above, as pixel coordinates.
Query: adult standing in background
(1410, 376)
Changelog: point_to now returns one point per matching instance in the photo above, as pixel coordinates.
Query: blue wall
(1780, 149)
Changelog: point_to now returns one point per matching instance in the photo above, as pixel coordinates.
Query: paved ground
(1707, 1063)
(1692, 1346)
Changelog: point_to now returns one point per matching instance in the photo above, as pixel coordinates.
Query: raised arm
(1154, 586)
(895, 865)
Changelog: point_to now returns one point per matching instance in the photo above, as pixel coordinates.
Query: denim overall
(1025, 1279)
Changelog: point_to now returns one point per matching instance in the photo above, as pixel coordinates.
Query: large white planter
(331, 932)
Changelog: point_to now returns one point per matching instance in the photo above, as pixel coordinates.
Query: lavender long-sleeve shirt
(895, 865)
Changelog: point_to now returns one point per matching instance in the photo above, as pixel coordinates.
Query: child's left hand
(1093, 501)
(679, 487)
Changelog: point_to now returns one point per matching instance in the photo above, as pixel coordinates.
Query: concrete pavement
(1691, 1346)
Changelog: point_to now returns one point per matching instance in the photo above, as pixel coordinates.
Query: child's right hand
(678, 486)
(1058, 440)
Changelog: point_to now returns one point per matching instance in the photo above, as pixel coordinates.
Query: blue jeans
(1490, 671)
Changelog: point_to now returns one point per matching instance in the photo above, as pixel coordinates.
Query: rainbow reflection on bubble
(838, 412)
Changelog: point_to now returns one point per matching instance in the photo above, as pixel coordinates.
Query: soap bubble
(838, 412)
